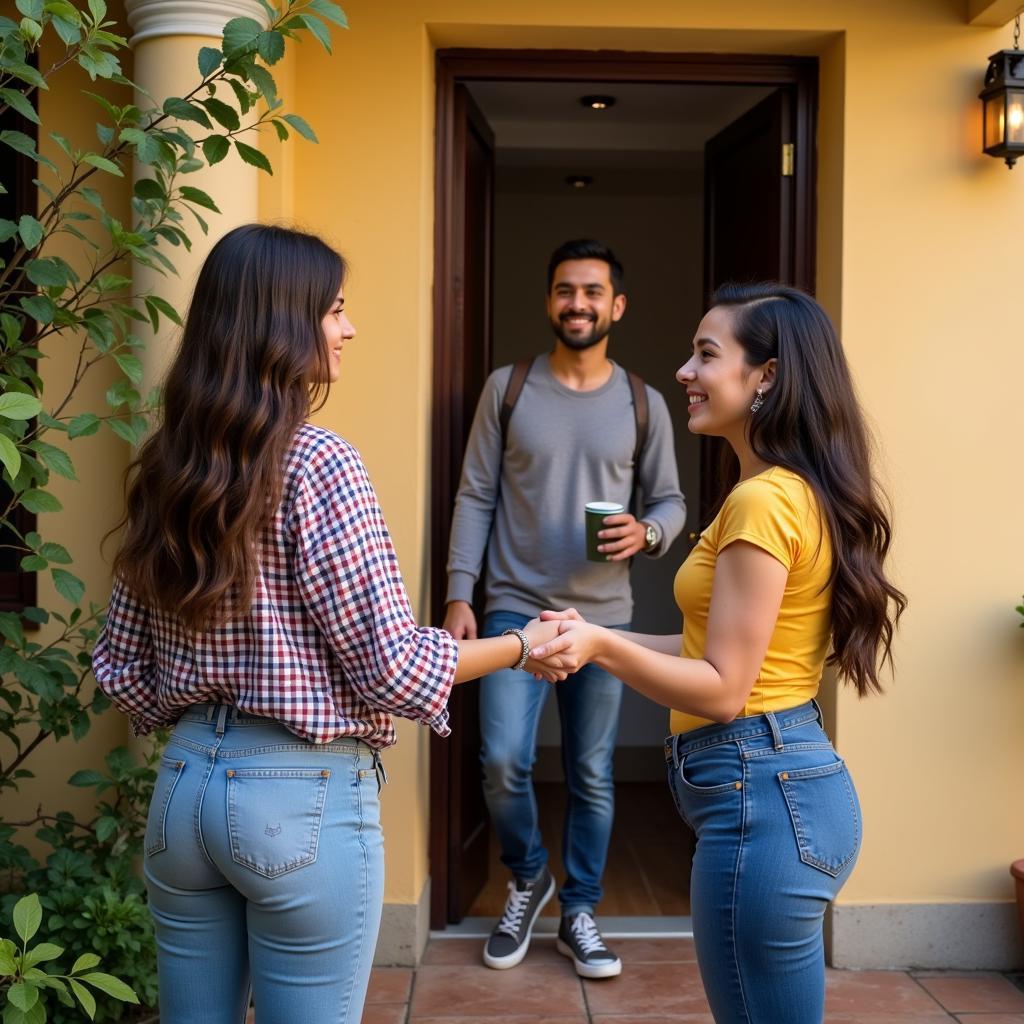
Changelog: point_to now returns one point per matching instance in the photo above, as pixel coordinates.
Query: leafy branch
(78, 304)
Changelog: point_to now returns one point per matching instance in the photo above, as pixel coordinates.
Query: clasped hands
(561, 643)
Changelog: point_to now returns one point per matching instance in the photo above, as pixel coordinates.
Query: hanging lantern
(1003, 103)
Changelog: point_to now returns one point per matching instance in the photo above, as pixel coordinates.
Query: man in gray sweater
(570, 440)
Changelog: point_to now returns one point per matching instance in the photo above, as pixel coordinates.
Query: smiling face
(720, 383)
(582, 305)
(337, 330)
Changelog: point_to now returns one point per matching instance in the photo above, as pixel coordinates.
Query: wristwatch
(650, 537)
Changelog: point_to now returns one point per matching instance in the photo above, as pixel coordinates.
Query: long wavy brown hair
(812, 424)
(252, 364)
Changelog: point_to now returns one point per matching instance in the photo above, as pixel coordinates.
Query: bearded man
(551, 435)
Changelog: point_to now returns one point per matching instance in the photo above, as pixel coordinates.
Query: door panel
(749, 229)
(459, 823)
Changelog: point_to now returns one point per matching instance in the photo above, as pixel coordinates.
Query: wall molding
(404, 931)
(962, 936)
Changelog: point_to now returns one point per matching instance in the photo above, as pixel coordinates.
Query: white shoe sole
(503, 963)
(609, 970)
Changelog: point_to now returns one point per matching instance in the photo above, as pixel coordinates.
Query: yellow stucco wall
(918, 260)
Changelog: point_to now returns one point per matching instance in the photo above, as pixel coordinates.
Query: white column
(167, 36)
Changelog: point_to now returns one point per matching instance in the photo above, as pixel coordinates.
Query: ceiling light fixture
(598, 102)
(579, 180)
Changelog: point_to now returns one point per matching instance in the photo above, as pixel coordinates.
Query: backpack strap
(641, 414)
(512, 392)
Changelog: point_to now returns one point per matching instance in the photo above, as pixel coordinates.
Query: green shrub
(29, 985)
(80, 308)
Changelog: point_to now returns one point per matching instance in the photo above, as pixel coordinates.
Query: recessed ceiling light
(598, 102)
(579, 180)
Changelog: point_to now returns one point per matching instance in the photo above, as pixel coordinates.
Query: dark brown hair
(252, 363)
(811, 423)
(588, 249)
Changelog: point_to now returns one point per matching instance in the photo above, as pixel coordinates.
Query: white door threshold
(611, 928)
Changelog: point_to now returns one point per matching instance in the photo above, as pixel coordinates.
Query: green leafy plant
(28, 984)
(66, 293)
(1020, 610)
(89, 885)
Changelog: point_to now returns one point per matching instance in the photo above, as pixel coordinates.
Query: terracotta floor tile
(654, 951)
(479, 992)
(935, 1016)
(866, 992)
(385, 1013)
(452, 952)
(975, 993)
(649, 989)
(679, 1018)
(517, 1019)
(389, 985)
(991, 1018)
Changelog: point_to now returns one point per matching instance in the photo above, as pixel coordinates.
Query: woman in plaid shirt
(258, 605)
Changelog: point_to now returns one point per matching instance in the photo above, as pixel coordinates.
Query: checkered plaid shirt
(329, 647)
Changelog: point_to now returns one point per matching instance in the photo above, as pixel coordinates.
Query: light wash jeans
(510, 709)
(265, 868)
(778, 831)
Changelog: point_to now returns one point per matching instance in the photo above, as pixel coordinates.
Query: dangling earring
(758, 401)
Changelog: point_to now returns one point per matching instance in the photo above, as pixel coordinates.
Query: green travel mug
(595, 514)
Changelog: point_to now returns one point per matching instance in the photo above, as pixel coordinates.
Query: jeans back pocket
(825, 813)
(274, 817)
(156, 821)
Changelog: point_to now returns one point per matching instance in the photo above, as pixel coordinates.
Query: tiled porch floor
(659, 985)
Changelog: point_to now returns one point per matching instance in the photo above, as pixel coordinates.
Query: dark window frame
(18, 589)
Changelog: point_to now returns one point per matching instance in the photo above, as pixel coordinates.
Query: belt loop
(817, 708)
(210, 708)
(672, 750)
(222, 714)
(776, 731)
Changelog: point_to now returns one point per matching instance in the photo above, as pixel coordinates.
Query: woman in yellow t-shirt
(791, 566)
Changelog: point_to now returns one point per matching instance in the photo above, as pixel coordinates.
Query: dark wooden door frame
(456, 66)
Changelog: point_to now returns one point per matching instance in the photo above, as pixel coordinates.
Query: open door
(738, 161)
(752, 231)
(462, 296)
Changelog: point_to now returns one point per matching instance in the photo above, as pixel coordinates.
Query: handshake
(561, 642)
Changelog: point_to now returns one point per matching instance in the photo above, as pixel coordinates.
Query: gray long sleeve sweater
(525, 512)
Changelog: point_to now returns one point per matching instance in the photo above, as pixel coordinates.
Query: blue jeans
(265, 868)
(510, 709)
(778, 831)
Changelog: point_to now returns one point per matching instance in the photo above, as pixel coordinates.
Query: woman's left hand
(577, 644)
(539, 632)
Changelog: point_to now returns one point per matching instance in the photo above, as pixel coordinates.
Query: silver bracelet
(524, 640)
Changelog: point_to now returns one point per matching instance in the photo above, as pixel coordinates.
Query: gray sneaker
(579, 939)
(510, 939)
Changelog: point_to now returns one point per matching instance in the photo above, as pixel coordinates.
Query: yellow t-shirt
(777, 511)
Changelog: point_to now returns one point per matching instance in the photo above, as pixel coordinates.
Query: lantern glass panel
(995, 120)
(1015, 117)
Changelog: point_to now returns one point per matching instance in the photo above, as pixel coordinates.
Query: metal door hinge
(788, 159)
